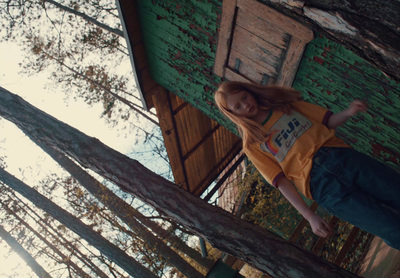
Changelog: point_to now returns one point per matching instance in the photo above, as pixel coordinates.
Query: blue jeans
(358, 189)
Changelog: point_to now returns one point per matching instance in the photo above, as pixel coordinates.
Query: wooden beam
(183, 105)
(148, 86)
(133, 34)
(139, 56)
(347, 245)
(131, 20)
(291, 61)
(171, 140)
(233, 76)
(195, 147)
(224, 37)
(283, 22)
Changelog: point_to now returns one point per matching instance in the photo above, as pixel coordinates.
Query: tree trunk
(121, 209)
(150, 256)
(225, 231)
(178, 243)
(87, 18)
(20, 250)
(96, 240)
(63, 258)
(370, 28)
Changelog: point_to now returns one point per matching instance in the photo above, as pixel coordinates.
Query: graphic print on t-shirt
(284, 133)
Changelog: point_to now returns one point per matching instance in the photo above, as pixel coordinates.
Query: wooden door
(258, 44)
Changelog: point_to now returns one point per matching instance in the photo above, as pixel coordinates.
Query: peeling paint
(331, 21)
(343, 77)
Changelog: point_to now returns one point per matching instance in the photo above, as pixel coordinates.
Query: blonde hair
(267, 97)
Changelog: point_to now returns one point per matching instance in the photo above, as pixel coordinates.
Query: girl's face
(242, 104)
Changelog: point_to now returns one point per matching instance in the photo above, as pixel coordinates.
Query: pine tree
(122, 259)
(20, 250)
(61, 259)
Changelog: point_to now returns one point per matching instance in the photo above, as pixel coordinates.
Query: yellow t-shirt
(293, 139)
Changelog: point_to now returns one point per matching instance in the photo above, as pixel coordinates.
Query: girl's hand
(356, 106)
(340, 118)
(320, 227)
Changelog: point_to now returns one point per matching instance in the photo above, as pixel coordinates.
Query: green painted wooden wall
(180, 38)
(332, 76)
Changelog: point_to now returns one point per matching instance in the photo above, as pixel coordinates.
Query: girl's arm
(319, 226)
(340, 118)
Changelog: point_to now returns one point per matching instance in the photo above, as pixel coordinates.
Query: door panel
(249, 68)
(261, 28)
(258, 44)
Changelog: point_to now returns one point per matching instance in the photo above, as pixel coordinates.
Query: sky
(74, 113)
(24, 159)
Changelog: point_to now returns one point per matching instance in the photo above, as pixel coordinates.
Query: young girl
(292, 141)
